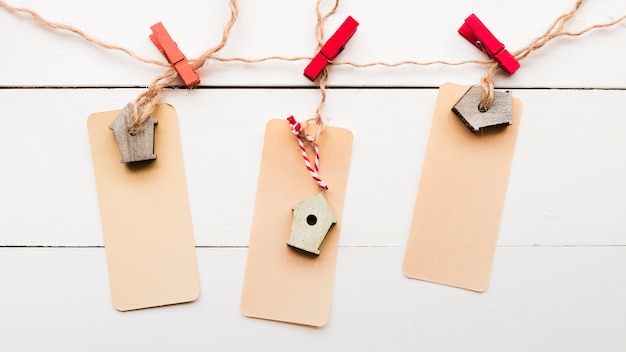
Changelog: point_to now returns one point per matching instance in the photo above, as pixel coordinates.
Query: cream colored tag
(460, 198)
(283, 283)
(146, 219)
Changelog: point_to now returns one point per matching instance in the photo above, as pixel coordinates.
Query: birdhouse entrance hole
(311, 219)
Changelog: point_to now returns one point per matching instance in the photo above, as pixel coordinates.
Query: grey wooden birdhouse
(500, 113)
(312, 219)
(134, 147)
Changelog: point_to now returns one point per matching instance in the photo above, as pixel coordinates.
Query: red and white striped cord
(298, 131)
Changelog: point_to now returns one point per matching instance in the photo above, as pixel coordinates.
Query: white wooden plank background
(559, 274)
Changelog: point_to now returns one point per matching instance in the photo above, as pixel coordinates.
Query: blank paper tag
(146, 219)
(283, 283)
(460, 198)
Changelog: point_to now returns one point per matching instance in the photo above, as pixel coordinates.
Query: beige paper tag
(146, 219)
(282, 283)
(460, 198)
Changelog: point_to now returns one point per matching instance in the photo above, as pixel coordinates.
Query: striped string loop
(298, 131)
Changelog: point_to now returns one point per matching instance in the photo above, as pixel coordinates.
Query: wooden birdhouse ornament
(312, 219)
(500, 113)
(134, 146)
(467, 108)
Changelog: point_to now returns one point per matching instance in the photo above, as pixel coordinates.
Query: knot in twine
(296, 127)
(146, 102)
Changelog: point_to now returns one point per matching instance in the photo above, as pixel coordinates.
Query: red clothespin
(476, 33)
(332, 48)
(168, 47)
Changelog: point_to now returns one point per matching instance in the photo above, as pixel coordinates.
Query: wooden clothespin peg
(133, 147)
(168, 47)
(333, 47)
(312, 219)
(476, 33)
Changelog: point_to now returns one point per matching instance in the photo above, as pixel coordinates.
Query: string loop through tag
(298, 130)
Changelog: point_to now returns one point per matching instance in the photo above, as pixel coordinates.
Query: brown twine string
(555, 30)
(318, 119)
(321, 20)
(323, 78)
(413, 63)
(147, 101)
(263, 59)
(203, 58)
(64, 27)
(210, 54)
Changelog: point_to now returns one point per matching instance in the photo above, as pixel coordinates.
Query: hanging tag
(282, 283)
(146, 219)
(460, 199)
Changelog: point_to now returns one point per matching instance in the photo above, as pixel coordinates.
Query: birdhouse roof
(136, 147)
(315, 205)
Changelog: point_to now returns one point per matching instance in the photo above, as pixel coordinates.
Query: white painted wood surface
(559, 279)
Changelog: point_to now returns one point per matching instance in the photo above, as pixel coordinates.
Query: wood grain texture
(312, 218)
(541, 298)
(394, 31)
(468, 110)
(137, 146)
(561, 170)
(558, 275)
